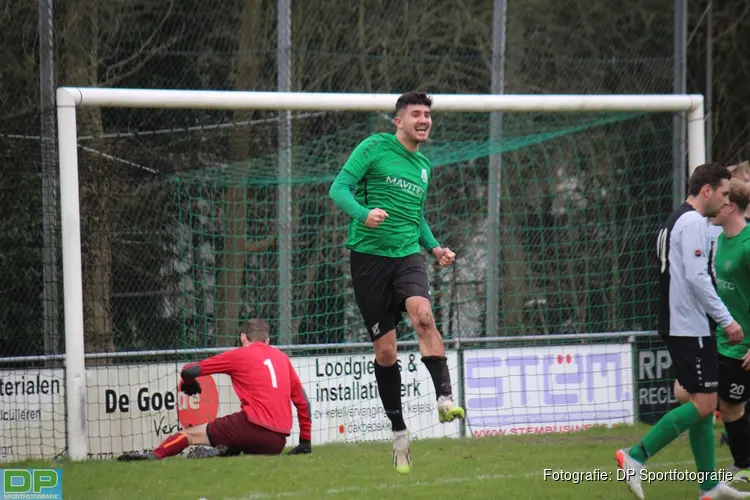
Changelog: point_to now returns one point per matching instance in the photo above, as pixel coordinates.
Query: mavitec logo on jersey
(407, 186)
(725, 285)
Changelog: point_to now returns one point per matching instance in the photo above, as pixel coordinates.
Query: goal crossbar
(320, 101)
(69, 98)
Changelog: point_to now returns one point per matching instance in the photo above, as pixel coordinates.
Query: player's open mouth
(422, 130)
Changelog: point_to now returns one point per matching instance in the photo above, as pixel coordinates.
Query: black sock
(389, 387)
(738, 433)
(441, 376)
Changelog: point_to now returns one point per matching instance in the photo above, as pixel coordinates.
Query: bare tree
(87, 43)
(251, 36)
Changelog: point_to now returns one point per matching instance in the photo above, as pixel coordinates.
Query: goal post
(69, 98)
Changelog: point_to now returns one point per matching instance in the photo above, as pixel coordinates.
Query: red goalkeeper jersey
(265, 381)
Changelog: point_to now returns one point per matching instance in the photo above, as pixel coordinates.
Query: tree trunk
(231, 279)
(80, 60)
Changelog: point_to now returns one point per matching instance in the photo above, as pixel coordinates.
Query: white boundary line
(407, 484)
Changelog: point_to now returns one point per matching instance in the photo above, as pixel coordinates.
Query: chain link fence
(178, 207)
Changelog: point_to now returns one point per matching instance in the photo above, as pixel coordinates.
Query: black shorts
(382, 285)
(734, 381)
(696, 362)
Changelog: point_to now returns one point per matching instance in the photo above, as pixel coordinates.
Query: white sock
(444, 399)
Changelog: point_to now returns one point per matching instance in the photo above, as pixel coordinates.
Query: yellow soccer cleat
(402, 451)
(739, 475)
(448, 411)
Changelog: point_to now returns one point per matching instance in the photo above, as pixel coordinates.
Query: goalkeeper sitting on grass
(265, 381)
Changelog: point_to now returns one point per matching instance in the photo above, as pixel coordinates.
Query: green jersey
(389, 177)
(732, 273)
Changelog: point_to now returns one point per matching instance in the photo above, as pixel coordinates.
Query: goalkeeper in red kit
(265, 381)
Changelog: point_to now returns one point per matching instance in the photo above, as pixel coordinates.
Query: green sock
(666, 430)
(703, 444)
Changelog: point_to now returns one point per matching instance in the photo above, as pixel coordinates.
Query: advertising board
(135, 407)
(546, 389)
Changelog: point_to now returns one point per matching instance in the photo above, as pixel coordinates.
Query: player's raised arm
(695, 262)
(343, 198)
(221, 363)
(345, 183)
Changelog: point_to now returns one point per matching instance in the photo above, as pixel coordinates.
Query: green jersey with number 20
(394, 179)
(732, 272)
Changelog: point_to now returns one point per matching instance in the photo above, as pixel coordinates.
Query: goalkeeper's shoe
(133, 456)
(632, 469)
(401, 451)
(199, 452)
(448, 410)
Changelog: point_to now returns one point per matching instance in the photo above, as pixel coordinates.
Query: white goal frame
(69, 98)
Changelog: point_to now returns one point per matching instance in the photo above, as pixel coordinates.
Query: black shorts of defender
(734, 381)
(382, 285)
(696, 363)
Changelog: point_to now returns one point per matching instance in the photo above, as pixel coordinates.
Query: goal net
(185, 214)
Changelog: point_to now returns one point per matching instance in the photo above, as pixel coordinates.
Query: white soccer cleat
(723, 491)
(632, 472)
(401, 451)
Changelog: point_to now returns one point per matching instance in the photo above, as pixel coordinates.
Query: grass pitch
(494, 467)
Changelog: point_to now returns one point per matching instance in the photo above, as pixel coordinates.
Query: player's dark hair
(413, 98)
(256, 329)
(708, 173)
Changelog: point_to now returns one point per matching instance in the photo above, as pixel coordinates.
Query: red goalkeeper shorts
(242, 436)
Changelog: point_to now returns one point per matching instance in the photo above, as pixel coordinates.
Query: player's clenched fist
(444, 256)
(375, 218)
(734, 333)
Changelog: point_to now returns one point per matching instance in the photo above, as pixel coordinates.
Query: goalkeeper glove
(303, 448)
(191, 387)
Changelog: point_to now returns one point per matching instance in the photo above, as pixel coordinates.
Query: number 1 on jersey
(268, 363)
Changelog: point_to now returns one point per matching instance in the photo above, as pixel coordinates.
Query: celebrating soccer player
(265, 381)
(740, 171)
(687, 299)
(390, 177)
(731, 269)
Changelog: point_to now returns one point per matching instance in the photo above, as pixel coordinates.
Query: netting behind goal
(180, 245)
(580, 195)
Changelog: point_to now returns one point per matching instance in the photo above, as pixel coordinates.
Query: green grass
(497, 467)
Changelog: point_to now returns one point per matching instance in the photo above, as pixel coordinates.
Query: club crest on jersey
(728, 265)
(698, 252)
(424, 175)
